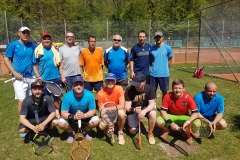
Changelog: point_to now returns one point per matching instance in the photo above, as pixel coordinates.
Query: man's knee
(102, 125)
(152, 115)
(222, 124)
(121, 114)
(160, 123)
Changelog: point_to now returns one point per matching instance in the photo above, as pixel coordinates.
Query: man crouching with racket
(78, 104)
(140, 103)
(37, 106)
(211, 106)
(111, 106)
(175, 110)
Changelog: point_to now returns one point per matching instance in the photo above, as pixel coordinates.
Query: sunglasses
(117, 40)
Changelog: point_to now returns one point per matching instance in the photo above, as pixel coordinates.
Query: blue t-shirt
(21, 56)
(73, 104)
(207, 107)
(47, 69)
(117, 61)
(140, 58)
(159, 57)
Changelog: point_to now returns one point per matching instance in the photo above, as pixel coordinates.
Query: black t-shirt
(140, 98)
(44, 108)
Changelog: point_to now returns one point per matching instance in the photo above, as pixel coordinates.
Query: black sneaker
(211, 136)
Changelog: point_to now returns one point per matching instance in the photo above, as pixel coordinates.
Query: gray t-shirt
(70, 58)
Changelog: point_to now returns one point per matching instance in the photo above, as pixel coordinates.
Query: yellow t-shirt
(92, 64)
(116, 95)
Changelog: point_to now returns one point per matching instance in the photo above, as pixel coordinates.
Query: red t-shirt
(179, 106)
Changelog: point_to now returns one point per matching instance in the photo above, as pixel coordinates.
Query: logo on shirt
(184, 103)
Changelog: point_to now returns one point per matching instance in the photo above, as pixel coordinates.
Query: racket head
(53, 88)
(80, 149)
(201, 128)
(42, 144)
(109, 112)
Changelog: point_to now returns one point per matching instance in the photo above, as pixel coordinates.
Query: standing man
(91, 61)
(114, 93)
(139, 62)
(69, 57)
(18, 59)
(39, 104)
(160, 59)
(211, 106)
(178, 109)
(116, 59)
(78, 104)
(46, 61)
(139, 103)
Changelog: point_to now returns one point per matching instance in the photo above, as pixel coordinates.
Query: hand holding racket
(109, 114)
(80, 149)
(200, 128)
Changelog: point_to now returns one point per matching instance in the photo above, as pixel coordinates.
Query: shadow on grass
(236, 123)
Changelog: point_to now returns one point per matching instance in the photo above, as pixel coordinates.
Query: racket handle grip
(112, 138)
(9, 80)
(79, 123)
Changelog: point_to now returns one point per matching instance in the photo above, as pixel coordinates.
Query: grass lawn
(224, 146)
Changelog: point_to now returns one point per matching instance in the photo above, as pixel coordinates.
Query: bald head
(210, 89)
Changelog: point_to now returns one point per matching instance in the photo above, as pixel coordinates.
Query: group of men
(134, 102)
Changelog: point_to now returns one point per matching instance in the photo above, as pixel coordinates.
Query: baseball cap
(110, 76)
(37, 84)
(78, 79)
(46, 34)
(158, 33)
(138, 79)
(24, 28)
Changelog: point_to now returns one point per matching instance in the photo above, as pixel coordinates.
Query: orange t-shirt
(92, 64)
(116, 95)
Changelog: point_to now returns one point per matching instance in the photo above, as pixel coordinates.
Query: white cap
(24, 28)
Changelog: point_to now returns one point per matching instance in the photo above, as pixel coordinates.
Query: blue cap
(78, 79)
(110, 76)
(138, 79)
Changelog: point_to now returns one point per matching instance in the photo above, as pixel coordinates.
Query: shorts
(211, 118)
(33, 122)
(22, 87)
(69, 81)
(163, 83)
(87, 120)
(96, 85)
(133, 119)
(59, 83)
(123, 82)
(178, 119)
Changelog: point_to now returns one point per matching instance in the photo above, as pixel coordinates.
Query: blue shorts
(163, 83)
(69, 83)
(211, 118)
(96, 85)
(123, 82)
(59, 83)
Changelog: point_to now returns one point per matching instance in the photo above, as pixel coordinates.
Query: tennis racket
(139, 134)
(109, 114)
(200, 128)
(27, 71)
(80, 149)
(42, 143)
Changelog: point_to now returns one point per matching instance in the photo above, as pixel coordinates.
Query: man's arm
(7, 62)
(131, 69)
(49, 118)
(128, 105)
(169, 62)
(25, 122)
(121, 104)
(36, 72)
(61, 72)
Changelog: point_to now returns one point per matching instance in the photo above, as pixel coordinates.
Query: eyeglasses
(117, 40)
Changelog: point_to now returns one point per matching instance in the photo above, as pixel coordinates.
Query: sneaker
(29, 137)
(211, 136)
(121, 140)
(151, 139)
(70, 137)
(188, 138)
(164, 134)
(23, 135)
(88, 136)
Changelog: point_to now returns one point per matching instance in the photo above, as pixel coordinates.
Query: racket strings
(42, 145)
(202, 130)
(80, 149)
(53, 88)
